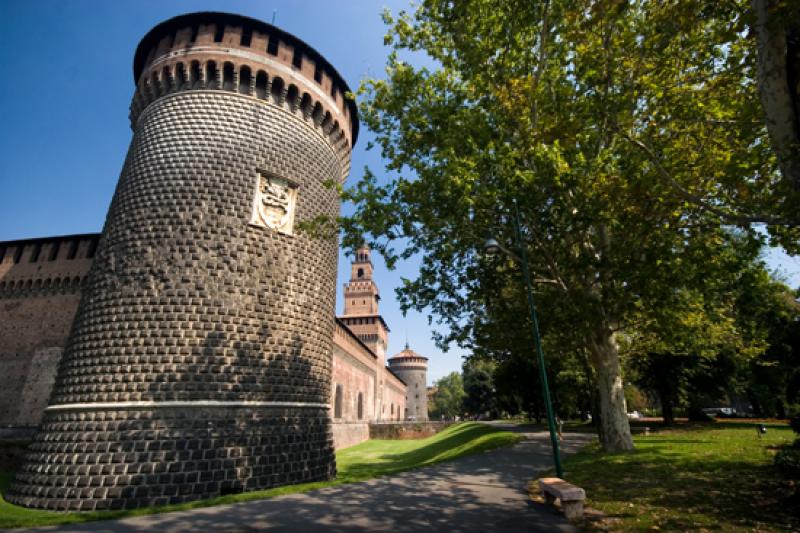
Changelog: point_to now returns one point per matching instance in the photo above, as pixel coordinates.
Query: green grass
(365, 461)
(707, 477)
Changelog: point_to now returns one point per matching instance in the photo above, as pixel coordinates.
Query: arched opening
(245, 78)
(261, 84)
(227, 77)
(212, 75)
(219, 34)
(326, 121)
(360, 272)
(292, 96)
(166, 80)
(317, 113)
(360, 406)
(306, 105)
(337, 402)
(155, 86)
(92, 249)
(277, 90)
(180, 75)
(195, 76)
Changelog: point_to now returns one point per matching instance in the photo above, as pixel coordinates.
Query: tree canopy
(629, 133)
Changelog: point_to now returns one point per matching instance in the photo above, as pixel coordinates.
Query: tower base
(87, 459)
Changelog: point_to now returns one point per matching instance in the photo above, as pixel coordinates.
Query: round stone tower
(199, 362)
(412, 368)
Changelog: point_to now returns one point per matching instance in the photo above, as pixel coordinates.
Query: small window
(337, 404)
(317, 73)
(37, 249)
(272, 45)
(219, 33)
(247, 37)
(360, 272)
(73, 249)
(360, 406)
(193, 38)
(92, 248)
(54, 251)
(297, 59)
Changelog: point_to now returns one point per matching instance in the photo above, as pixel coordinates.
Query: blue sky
(64, 93)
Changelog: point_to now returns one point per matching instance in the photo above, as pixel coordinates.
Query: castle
(190, 350)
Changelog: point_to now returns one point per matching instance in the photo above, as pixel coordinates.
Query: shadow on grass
(355, 464)
(684, 483)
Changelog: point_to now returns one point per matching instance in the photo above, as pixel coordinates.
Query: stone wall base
(123, 459)
(346, 434)
(405, 430)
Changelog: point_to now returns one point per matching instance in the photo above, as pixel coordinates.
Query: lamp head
(492, 247)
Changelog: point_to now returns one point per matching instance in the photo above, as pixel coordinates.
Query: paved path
(483, 492)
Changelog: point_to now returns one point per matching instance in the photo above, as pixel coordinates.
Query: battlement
(52, 265)
(225, 52)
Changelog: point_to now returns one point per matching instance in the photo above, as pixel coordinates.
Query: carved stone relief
(275, 202)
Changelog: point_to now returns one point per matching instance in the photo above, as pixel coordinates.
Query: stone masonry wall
(188, 302)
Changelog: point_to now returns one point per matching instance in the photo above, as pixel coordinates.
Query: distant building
(412, 368)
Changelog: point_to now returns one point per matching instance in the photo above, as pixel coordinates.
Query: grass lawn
(700, 477)
(364, 461)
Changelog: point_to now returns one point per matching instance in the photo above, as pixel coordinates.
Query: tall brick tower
(199, 360)
(412, 368)
(361, 298)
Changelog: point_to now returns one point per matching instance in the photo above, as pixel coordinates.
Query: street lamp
(493, 247)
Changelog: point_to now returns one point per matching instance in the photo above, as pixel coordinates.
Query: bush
(788, 462)
(795, 424)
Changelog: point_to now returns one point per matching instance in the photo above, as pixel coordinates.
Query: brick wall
(40, 282)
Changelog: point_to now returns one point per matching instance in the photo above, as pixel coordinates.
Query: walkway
(479, 493)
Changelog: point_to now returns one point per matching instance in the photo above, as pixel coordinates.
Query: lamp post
(493, 247)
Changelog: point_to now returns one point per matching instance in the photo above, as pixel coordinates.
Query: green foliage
(448, 401)
(479, 387)
(358, 463)
(714, 476)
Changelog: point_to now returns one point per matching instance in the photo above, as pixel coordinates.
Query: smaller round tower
(412, 368)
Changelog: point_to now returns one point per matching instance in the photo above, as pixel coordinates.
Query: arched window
(277, 90)
(392, 410)
(195, 78)
(360, 406)
(337, 403)
(180, 75)
(211, 75)
(244, 80)
(261, 84)
(227, 77)
(360, 272)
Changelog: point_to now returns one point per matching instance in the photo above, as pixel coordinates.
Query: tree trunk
(667, 412)
(615, 435)
(775, 58)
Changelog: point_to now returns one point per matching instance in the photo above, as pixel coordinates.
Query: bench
(570, 496)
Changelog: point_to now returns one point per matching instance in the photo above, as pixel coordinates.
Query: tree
(449, 398)
(591, 115)
(479, 387)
